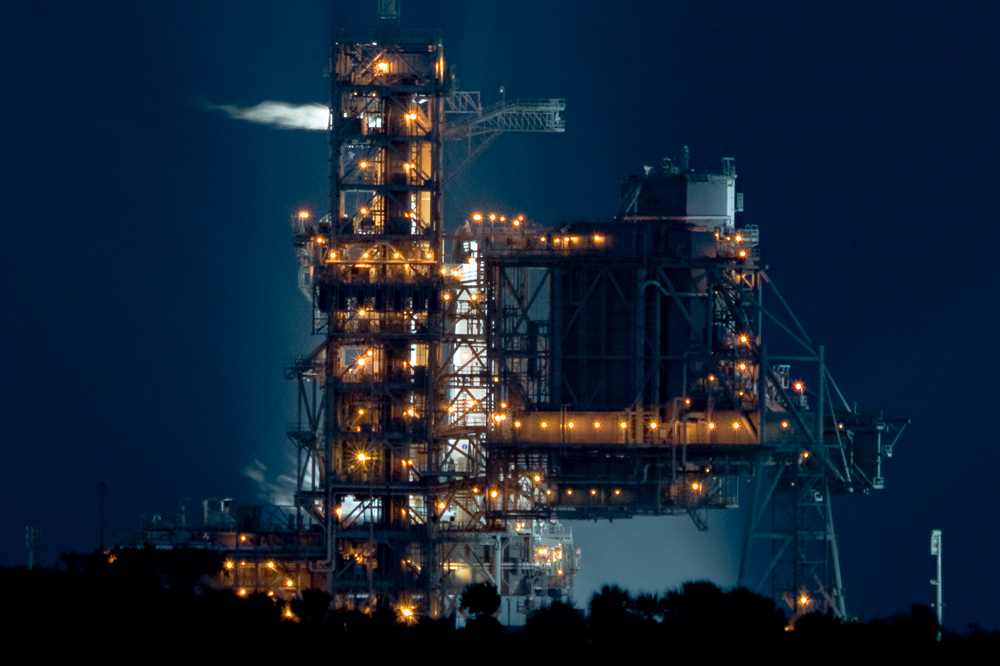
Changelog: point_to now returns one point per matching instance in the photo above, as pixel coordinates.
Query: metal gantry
(633, 357)
(395, 403)
(474, 127)
(591, 371)
(459, 405)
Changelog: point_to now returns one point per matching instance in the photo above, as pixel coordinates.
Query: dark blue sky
(149, 299)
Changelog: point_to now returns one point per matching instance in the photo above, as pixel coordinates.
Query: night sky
(149, 287)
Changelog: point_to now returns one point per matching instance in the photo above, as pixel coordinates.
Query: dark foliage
(612, 622)
(157, 603)
(557, 619)
(481, 600)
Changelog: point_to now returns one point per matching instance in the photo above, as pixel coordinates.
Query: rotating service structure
(634, 379)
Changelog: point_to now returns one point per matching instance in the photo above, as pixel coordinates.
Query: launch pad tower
(474, 388)
(460, 404)
(395, 403)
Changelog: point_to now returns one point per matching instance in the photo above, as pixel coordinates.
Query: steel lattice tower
(458, 406)
(395, 404)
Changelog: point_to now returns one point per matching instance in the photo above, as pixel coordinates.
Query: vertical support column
(762, 394)
(639, 369)
(373, 266)
(936, 549)
(837, 593)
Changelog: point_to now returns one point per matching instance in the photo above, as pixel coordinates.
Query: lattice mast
(394, 404)
(374, 275)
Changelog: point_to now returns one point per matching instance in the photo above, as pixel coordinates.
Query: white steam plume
(281, 114)
(280, 491)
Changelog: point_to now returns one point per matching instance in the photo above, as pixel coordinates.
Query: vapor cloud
(279, 491)
(281, 114)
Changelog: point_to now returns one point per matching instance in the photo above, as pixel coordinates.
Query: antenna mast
(936, 551)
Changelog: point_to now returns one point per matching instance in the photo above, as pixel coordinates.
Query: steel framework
(633, 361)
(395, 403)
(476, 127)
(459, 406)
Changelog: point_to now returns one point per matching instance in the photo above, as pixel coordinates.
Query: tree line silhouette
(159, 603)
